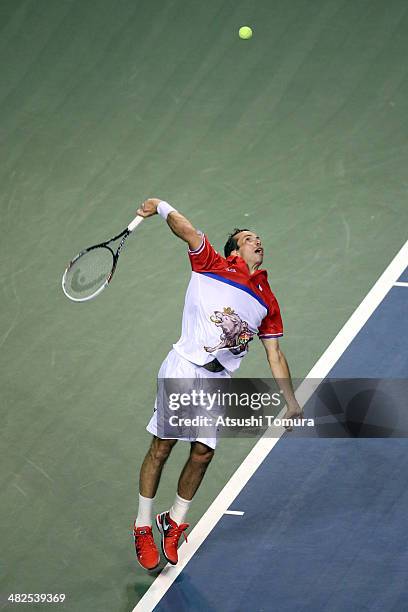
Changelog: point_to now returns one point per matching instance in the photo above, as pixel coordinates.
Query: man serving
(228, 302)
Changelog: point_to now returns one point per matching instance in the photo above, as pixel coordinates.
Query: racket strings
(88, 273)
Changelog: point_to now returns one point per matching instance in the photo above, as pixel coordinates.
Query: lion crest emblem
(235, 333)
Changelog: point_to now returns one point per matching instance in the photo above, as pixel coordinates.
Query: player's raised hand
(149, 207)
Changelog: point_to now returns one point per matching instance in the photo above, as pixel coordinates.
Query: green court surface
(300, 133)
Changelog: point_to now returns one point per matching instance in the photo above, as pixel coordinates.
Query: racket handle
(133, 224)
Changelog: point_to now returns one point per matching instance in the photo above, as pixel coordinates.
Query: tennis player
(228, 302)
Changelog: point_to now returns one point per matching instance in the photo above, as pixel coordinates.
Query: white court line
(400, 284)
(234, 512)
(264, 446)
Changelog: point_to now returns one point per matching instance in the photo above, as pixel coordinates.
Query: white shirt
(225, 306)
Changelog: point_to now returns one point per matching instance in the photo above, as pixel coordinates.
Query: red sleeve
(205, 257)
(271, 326)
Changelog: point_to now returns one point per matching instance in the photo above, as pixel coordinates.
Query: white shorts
(175, 366)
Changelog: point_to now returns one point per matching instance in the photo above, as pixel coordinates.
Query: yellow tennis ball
(245, 32)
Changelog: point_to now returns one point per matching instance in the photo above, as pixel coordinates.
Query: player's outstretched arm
(280, 370)
(179, 225)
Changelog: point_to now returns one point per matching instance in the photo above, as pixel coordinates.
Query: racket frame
(124, 234)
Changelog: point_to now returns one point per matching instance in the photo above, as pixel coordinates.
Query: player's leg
(150, 472)
(152, 466)
(193, 472)
(171, 524)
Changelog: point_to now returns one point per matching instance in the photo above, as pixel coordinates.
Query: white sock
(145, 511)
(179, 509)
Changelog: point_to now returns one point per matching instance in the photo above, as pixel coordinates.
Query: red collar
(239, 263)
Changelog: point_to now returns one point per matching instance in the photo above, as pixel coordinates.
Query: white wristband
(164, 209)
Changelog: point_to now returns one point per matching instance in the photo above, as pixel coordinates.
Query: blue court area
(404, 276)
(325, 524)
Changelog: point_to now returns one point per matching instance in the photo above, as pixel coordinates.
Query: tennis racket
(91, 271)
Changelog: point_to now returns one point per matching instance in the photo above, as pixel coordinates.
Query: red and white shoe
(146, 550)
(170, 535)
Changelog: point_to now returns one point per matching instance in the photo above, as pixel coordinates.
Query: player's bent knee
(161, 449)
(202, 456)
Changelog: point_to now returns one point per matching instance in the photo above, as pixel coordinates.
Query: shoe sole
(160, 528)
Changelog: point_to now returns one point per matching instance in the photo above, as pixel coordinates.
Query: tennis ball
(245, 32)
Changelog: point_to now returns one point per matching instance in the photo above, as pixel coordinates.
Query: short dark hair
(232, 244)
